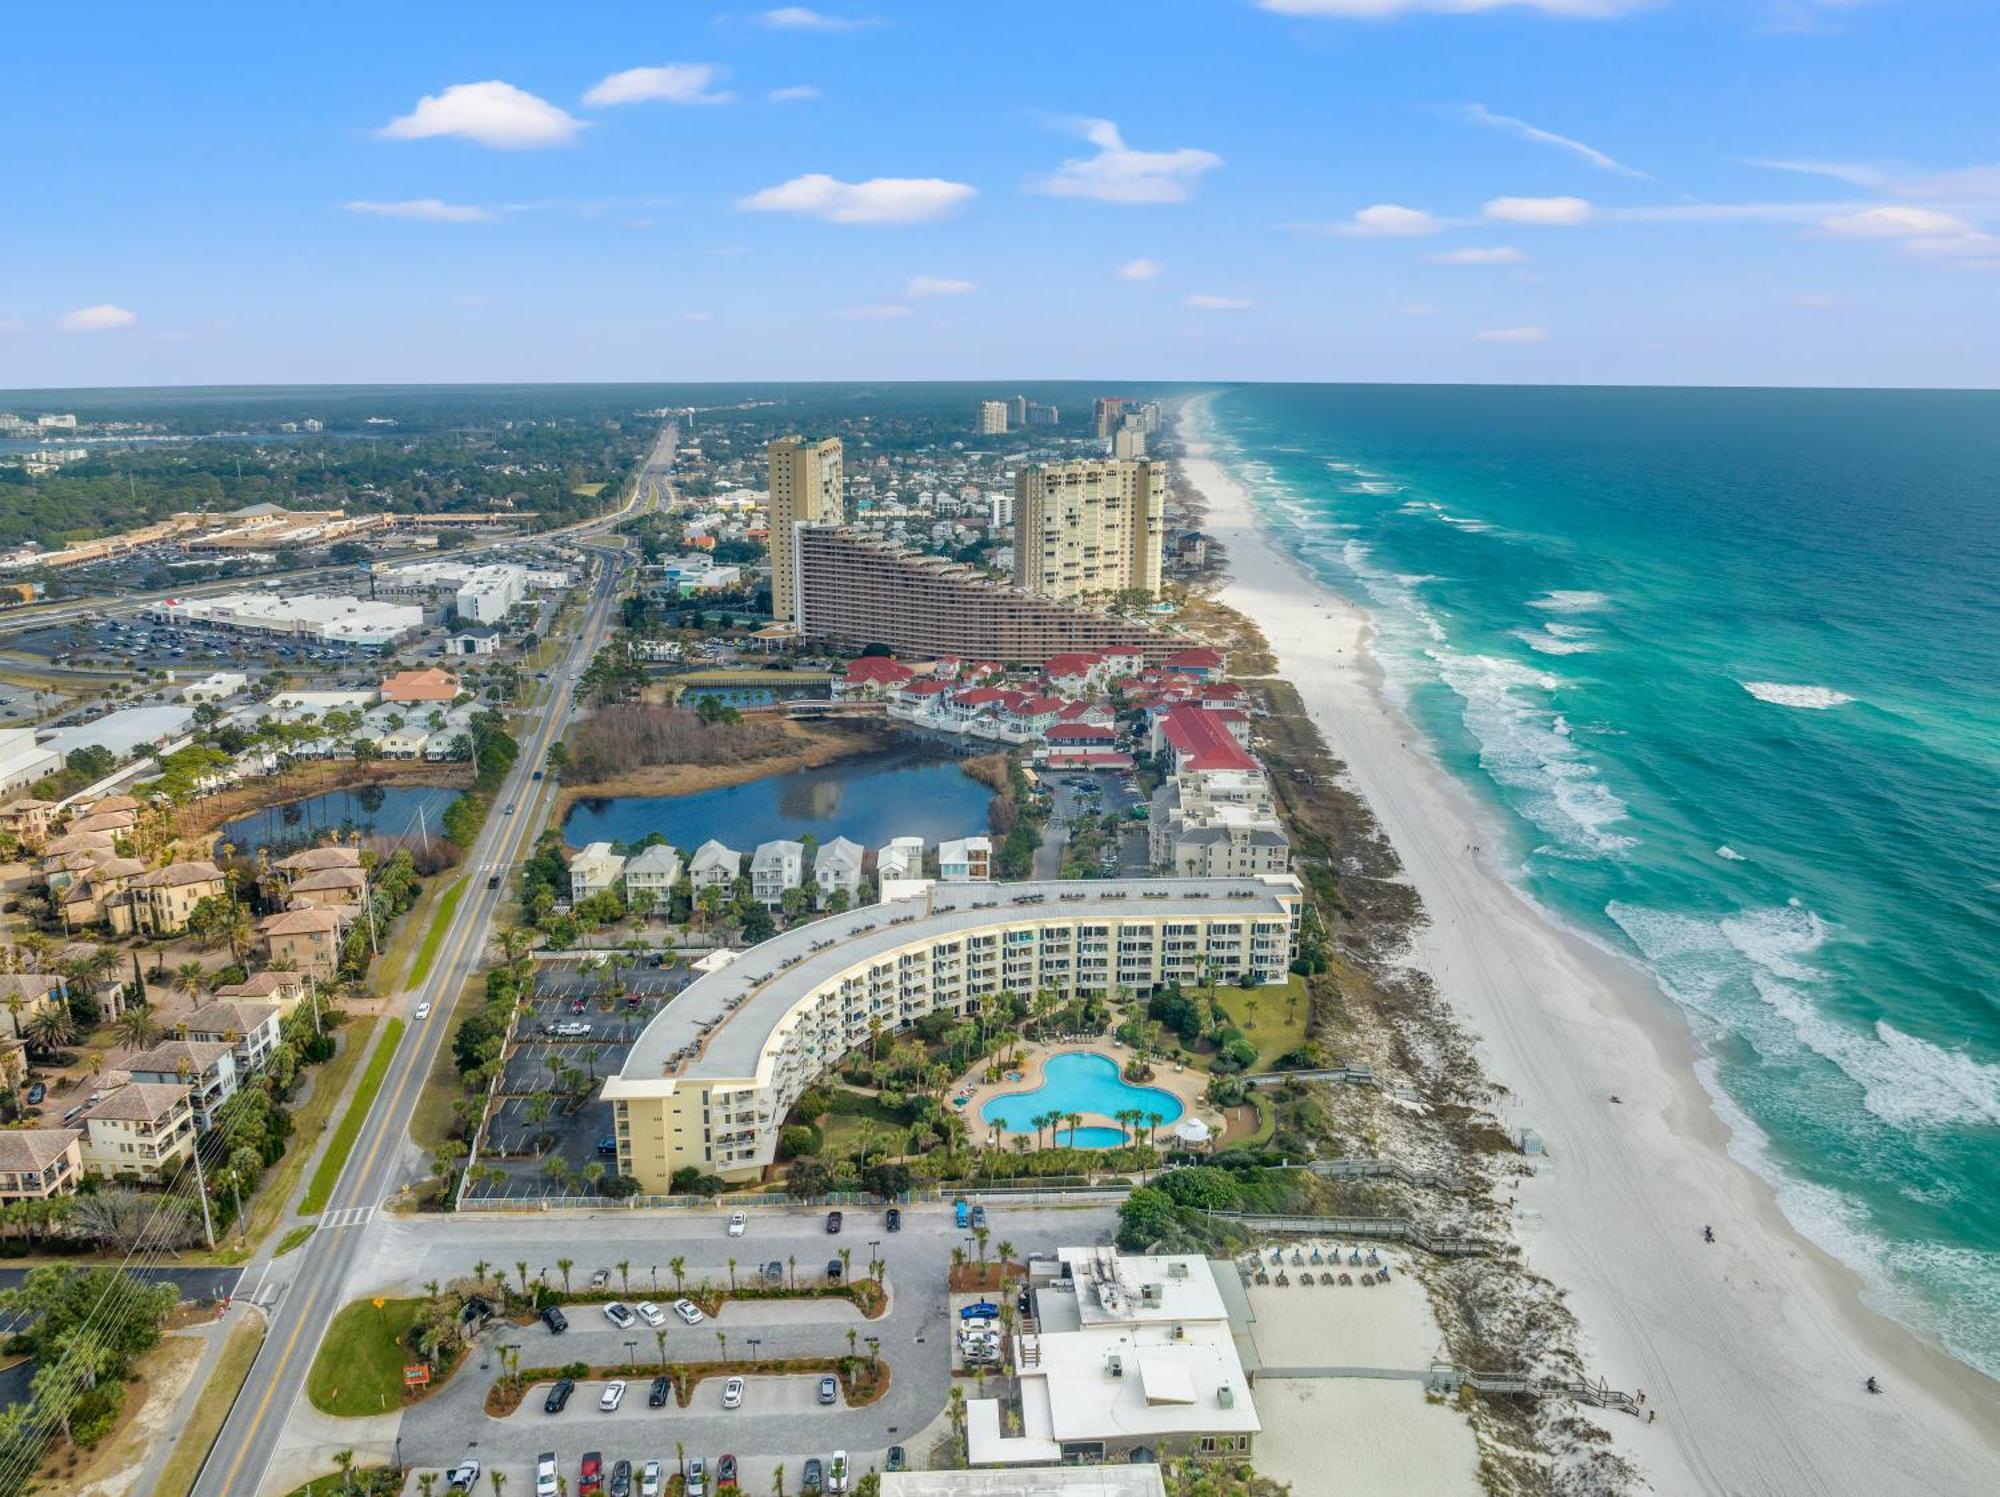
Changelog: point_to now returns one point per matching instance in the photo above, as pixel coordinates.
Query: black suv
(895, 1219)
(661, 1390)
(559, 1393)
(833, 1221)
(555, 1320)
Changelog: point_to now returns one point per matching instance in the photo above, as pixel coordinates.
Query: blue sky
(1631, 191)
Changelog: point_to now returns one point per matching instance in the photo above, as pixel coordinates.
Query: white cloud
(1815, 299)
(102, 318)
(424, 210)
(799, 18)
(1728, 212)
(1479, 114)
(1498, 254)
(1537, 210)
(1418, 309)
(1379, 10)
(492, 114)
(1893, 222)
(877, 310)
(793, 94)
(1202, 302)
(879, 200)
(1119, 174)
(1141, 269)
(937, 285)
(1386, 220)
(672, 83)
(1511, 334)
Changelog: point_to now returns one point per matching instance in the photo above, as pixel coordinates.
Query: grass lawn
(328, 1082)
(359, 1369)
(1279, 1021)
(294, 1238)
(840, 1129)
(434, 937)
(335, 1158)
(191, 1449)
(432, 1119)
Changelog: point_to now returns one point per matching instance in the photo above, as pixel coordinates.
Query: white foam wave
(1547, 644)
(1729, 854)
(1374, 486)
(1524, 745)
(1813, 698)
(1567, 600)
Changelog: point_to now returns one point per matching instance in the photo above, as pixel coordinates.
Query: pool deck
(1188, 1085)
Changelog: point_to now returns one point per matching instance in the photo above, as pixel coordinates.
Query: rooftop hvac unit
(1151, 1293)
(1176, 1270)
(1115, 1365)
(1226, 1396)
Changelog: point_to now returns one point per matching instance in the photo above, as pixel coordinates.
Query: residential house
(595, 870)
(871, 678)
(650, 877)
(28, 819)
(1202, 662)
(776, 866)
(307, 939)
(900, 857)
(346, 887)
(25, 994)
(965, 860)
(249, 1029)
(1203, 740)
(837, 865)
(87, 894)
(143, 1131)
(159, 903)
(714, 867)
(206, 1067)
(429, 685)
(36, 1163)
(287, 990)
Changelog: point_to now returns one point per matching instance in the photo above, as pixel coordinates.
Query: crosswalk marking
(352, 1216)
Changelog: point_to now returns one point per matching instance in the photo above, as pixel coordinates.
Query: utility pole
(201, 1188)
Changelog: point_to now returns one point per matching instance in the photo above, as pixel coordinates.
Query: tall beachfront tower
(1089, 528)
(806, 487)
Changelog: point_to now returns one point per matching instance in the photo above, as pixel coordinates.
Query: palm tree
(190, 979)
(979, 1235)
(521, 1268)
(660, 1341)
(732, 1275)
(136, 1028)
(345, 1460)
(499, 1480)
(722, 1340)
(625, 1274)
(1004, 1251)
(679, 1267)
(479, 1272)
(778, 1481)
(51, 1029)
(564, 1265)
(427, 1481)
(874, 1351)
(846, 1263)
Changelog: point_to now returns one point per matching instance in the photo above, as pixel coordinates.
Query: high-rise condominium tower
(992, 418)
(1089, 528)
(806, 487)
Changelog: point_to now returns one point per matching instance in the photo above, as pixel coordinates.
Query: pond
(378, 810)
(913, 789)
(1082, 1082)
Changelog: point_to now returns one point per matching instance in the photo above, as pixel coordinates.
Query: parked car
(833, 1221)
(810, 1477)
(651, 1482)
(612, 1396)
(559, 1392)
(547, 1481)
(829, 1390)
(898, 1460)
(725, 1471)
(620, 1316)
(774, 1272)
(836, 1472)
(555, 1320)
(978, 1217)
(834, 1269)
(984, 1310)
(688, 1311)
(737, 1222)
(607, 1146)
(697, 1478)
(621, 1480)
(659, 1393)
(652, 1314)
(463, 1476)
(895, 1219)
(732, 1393)
(600, 1278)
(590, 1475)
(962, 1211)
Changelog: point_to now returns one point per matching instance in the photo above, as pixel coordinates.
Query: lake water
(380, 810)
(913, 789)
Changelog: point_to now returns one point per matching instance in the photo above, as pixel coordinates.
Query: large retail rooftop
(721, 1024)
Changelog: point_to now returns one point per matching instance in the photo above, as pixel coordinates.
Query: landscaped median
(359, 1369)
(335, 1159)
(434, 936)
(862, 1379)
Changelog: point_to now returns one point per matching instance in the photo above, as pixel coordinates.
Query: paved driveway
(780, 1419)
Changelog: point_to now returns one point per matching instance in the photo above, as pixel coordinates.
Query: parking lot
(1077, 793)
(548, 1107)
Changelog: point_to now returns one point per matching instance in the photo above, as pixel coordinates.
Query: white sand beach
(1753, 1350)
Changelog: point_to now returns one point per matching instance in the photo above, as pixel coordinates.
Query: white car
(546, 1480)
(836, 1472)
(737, 1222)
(651, 1313)
(612, 1396)
(688, 1311)
(619, 1316)
(732, 1393)
(649, 1480)
(464, 1477)
(697, 1477)
(423, 1011)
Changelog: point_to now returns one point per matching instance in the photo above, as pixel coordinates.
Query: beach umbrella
(1193, 1131)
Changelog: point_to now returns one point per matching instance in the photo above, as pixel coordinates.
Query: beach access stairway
(1379, 1228)
(1346, 1075)
(1444, 1377)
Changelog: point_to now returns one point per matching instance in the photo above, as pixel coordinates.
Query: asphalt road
(383, 1158)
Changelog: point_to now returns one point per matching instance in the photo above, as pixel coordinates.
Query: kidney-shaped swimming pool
(1082, 1081)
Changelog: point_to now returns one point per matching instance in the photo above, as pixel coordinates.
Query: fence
(1363, 1169)
(1380, 1228)
(1042, 1192)
(1444, 1377)
(1350, 1075)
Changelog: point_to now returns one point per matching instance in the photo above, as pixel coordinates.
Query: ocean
(1728, 664)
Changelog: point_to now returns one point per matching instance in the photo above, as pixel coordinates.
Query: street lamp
(755, 1342)
(630, 1346)
(656, 1278)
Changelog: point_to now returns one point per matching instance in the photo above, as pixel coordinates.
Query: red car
(590, 1480)
(725, 1471)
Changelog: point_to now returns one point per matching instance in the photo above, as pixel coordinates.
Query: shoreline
(1752, 1351)
(218, 810)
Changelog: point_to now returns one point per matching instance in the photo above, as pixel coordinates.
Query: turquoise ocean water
(1729, 663)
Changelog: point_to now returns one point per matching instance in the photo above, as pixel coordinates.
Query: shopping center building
(710, 1081)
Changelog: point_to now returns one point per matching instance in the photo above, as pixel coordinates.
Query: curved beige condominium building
(711, 1079)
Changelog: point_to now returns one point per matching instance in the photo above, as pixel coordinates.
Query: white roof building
(900, 857)
(714, 866)
(1133, 1360)
(776, 866)
(650, 876)
(594, 870)
(837, 865)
